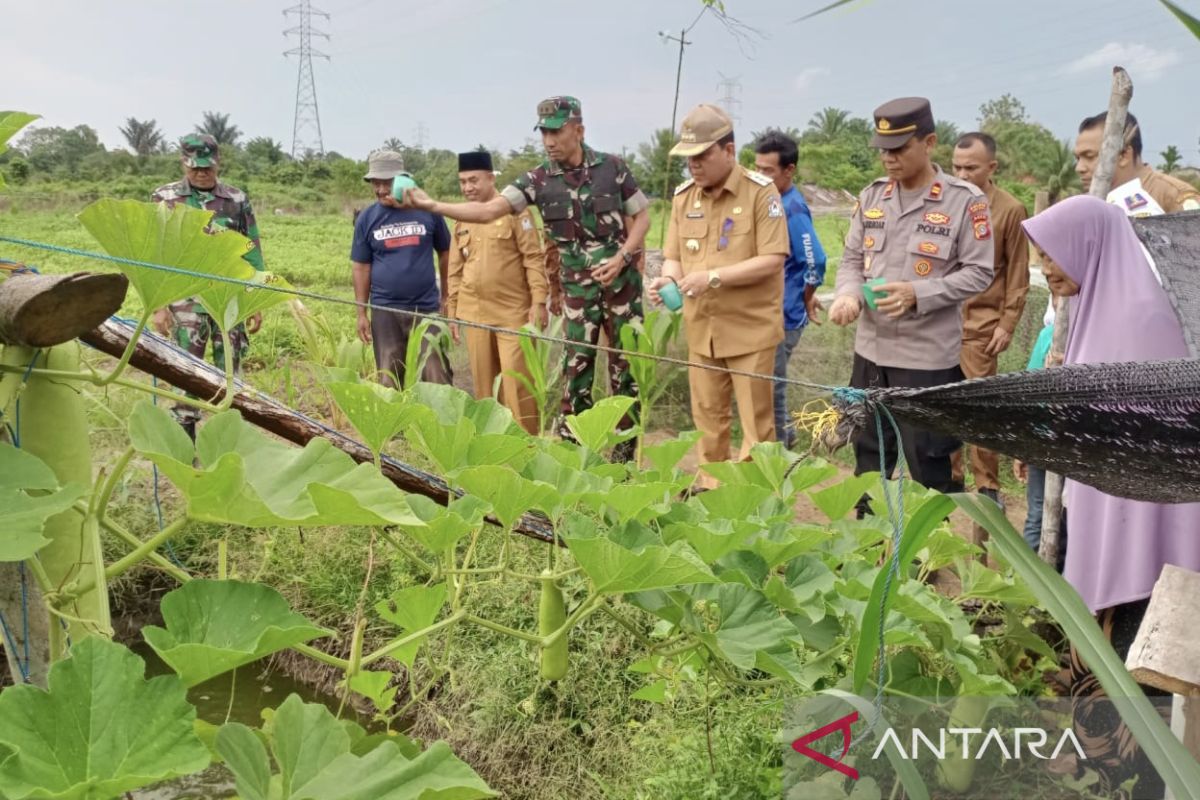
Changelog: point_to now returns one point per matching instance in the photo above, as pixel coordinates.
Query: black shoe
(993, 495)
(625, 452)
(189, 427)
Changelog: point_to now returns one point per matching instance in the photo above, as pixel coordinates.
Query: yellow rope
(821, 423)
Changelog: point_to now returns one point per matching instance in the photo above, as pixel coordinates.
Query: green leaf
(501, 449)
(509, 494)
(175, 237)
(216, 626)
(22, 515)
(652, 692)
(712, 540)
(748, 623)
(252, 480)
(385, 774)
(447, 445)
(667, 455)
(100, 730)
(10, 123)
(631, 499)
(732, 501)
(1177, 767)
(837, 500)
(927, 517)
(305, 739)
(614, 569)
(232, 303)
(246, 757)
(1189, 22)
(572, 486)
(375, 686)
(377, 412)
(442, 526)
(810, 473)
(783, 542)
(981, 583)
(451, 404)
(412, 609)
(596, 428)
(906, 770)
(807, 578)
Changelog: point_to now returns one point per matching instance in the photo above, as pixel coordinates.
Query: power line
(306, 126)
(730, 98)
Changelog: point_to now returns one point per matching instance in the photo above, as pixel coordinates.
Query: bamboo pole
(1114, 143)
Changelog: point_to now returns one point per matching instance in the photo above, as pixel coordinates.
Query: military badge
(884, 124)
(873, 213)
(936, 218)
(982, 230)
(869, 241)
(923, 267)
(928, 248)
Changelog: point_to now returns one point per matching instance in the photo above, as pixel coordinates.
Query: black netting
(1131, 430)
(1174, 242)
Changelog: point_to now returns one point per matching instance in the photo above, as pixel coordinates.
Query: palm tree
(1062, 176)
(1171, 159)
(828, 124)
(393, 143)
(947, 132)
(217, 125)
(144, 138)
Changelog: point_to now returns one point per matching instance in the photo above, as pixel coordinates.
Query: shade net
(1174, 242)
(1131, 429)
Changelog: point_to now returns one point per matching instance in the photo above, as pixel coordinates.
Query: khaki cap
(704, 126)
(384, 165)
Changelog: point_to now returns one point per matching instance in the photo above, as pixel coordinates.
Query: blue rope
(25, 615)
(11, 644)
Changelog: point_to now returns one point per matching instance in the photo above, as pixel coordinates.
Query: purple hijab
(1116, 548)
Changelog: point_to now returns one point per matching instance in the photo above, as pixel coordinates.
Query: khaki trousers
(985, 464)
(490, 354)
(712, 405)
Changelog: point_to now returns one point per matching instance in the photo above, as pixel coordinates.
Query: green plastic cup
(670, 296)
(871, 295)
(400, 184)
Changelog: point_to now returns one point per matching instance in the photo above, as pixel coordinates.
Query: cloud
(1141, 61)
(808, 77)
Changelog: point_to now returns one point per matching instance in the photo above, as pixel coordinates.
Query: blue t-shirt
(805, 264)
(399, 244)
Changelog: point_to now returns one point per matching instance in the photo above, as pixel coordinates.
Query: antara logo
(973, 744)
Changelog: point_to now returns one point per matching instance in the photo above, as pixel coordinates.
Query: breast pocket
(693, 241)
(607, 208)
(928, 255)
(559, 215)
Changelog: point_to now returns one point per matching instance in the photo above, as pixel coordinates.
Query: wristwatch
(714, 279)
(627, 257)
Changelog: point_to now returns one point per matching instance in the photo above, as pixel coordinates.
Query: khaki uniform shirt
(497, 270)
(1168, 191)
(1003, 301)
(742, 219)
(941, 244)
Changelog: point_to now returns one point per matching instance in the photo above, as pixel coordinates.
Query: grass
(587, 737)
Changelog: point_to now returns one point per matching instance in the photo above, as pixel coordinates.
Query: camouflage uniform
(583, 209)
(193, 327)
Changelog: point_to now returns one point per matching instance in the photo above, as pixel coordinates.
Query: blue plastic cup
(871, 295)
(400, 184)
(670, 296)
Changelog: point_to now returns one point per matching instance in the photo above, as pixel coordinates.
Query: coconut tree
(217, 125)
(1172, 159)
(144, 137)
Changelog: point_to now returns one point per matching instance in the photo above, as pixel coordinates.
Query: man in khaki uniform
(928, 236)
(726, 243)
(1169, 192)
(990, 317)
(497, 276)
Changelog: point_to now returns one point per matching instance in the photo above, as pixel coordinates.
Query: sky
(464, 72)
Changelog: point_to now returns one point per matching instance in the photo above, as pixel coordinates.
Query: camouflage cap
(198, 150)
(704, 126)
(899, 120)
(383, 165)
(554, 112)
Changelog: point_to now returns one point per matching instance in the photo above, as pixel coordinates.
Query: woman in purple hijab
(1116, 547)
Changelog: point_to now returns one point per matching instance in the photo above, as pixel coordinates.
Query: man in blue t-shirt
(776, 155)
(393, 266)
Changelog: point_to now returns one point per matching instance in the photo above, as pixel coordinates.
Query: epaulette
(759, 178)
(683, 187)
(951, 180)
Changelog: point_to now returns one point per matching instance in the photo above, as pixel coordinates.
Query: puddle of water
(242, 695)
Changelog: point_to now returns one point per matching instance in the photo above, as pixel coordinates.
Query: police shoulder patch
(683, 187)
(758, 177)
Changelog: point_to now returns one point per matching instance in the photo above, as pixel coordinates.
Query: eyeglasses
(726, 227)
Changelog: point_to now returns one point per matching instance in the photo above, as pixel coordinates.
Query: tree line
(835, 153)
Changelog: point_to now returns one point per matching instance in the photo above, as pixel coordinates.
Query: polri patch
(982, 230)
(928, 248)
(923, 267)
(936, 218)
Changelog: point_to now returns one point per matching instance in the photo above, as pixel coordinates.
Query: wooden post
(1165, 653)
(45, 310)
(1106, 164)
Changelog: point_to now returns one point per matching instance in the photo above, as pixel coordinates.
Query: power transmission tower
(421, 133)
(306, 127)
(730, 91)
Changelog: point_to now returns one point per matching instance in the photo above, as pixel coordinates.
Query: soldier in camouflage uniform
(596, 216)
(187, 320)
